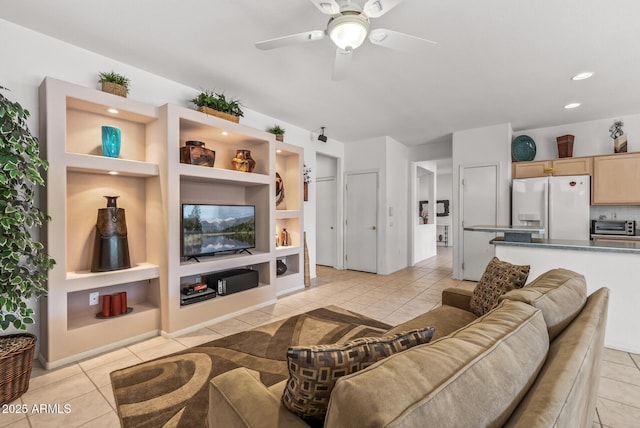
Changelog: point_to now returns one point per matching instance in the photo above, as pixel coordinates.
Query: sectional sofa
(532, 361)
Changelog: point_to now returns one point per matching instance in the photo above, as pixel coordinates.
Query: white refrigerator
(559, 204)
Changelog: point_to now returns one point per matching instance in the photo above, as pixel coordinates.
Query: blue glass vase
(111, 137)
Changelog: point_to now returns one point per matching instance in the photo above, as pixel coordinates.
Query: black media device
(232, 281)
(208, 229)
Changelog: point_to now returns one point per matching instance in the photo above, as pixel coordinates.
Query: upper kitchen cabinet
(616, 179)
(556, 167)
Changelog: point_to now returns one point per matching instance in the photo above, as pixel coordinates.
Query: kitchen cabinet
(559, 167)
(572, 166)
(530, 169)
(616, 179)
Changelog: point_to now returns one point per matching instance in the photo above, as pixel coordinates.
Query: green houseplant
(278, 131)
(114, 83)
(23, 261)
(217, 104)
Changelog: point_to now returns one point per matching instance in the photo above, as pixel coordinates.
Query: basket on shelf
(114, 88)
(220, 114)
(16, 362)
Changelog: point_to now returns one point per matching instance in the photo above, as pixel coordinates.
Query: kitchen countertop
(506, 229)
(632, 247)
(617, 237)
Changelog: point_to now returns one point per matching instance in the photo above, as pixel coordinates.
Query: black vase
(111, 247)
(281, 267)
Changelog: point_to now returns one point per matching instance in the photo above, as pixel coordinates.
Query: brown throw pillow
(498, 278)
(314, 370)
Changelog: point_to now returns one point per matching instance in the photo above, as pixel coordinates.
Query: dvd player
(199, 296)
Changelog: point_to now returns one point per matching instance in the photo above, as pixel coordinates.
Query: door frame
(459, 229)
(379, 215)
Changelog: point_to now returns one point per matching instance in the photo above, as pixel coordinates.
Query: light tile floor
(83, 391)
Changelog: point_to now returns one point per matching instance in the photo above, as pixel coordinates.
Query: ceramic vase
(111, 137)
(243, 161)
(565, 146)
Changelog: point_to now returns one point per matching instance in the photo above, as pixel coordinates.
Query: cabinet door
(572, 166)
(616, 179)
(530, 169)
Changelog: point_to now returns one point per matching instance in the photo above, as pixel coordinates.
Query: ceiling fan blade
(399, 41)
(342, 64)
(292, 39)
(328, 7)
(377, 8)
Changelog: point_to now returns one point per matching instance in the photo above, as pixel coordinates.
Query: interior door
(479, 207)
(326, 210)
(362, 222)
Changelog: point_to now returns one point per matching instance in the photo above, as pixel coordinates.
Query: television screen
(209, 229)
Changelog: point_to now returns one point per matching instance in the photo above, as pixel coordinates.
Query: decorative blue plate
(523, 148)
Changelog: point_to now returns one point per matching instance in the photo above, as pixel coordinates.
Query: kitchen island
(615, 265)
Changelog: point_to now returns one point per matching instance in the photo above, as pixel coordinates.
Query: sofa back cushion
(559, 293)
(565, 391)
(498, 278)
(474, 377)
(314, 370)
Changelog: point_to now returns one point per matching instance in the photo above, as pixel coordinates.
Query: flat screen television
(208, 229)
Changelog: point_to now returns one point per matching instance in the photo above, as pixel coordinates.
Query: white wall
(491, 144)
(422, 237)
(390, 159)
(33, 56)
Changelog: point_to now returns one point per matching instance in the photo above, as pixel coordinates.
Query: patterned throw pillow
(498, 278)
(314, 370)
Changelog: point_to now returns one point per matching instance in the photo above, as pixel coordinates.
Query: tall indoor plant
(23, 260)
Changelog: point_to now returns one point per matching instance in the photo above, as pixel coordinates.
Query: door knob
(373, 228)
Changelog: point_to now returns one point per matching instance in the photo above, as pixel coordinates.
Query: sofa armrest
(237, 398)
(457, 297)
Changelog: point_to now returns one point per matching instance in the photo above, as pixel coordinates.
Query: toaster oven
(613, 227)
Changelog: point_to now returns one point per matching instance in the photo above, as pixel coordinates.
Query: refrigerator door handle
(547, 210)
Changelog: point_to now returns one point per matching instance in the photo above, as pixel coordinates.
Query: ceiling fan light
(348, 31)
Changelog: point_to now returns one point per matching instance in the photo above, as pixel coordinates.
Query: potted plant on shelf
(216, 104)
(114, 83)
(23, 260)
(278, 131)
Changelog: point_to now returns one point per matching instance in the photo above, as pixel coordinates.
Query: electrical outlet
(93, 298)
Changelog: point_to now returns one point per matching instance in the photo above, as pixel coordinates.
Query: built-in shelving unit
(152, 184)
(289, 215)
(77, 179)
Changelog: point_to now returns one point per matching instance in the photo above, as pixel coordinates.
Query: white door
(569, 205)
(361, 227)
(479, 207)
(326, 213)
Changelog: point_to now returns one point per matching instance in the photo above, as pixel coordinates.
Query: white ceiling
(496, 61)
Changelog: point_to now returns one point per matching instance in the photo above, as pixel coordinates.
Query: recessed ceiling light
(224, 133)
(113, 111)
(113, 173)
(572, 105)
(582, 76)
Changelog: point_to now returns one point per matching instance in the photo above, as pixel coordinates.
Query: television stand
(244, 250)
(194, 258)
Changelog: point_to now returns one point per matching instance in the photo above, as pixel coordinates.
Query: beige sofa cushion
(559, 293)
(314, 370)
(474, 377)
(565, 392)
(445, 319)
(498, 278)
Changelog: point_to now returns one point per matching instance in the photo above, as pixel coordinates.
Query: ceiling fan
(348, 27)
